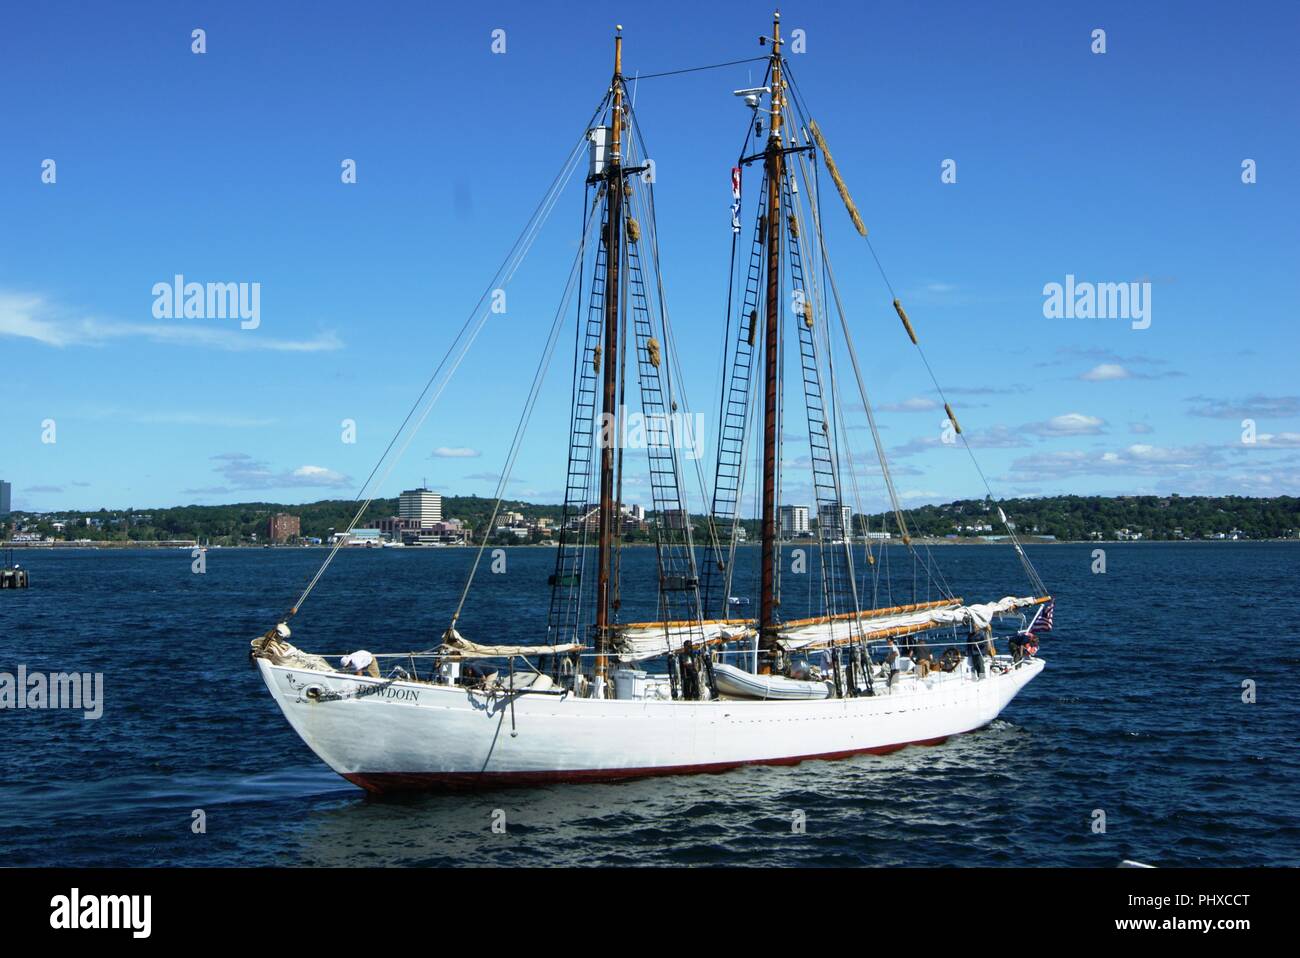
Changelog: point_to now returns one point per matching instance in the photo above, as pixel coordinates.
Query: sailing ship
(694, 688)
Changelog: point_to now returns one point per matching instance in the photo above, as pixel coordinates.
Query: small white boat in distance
(740, 684)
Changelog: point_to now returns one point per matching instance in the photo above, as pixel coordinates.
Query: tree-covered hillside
(1064, 517)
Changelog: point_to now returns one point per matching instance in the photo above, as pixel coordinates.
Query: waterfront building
(794, 521)
(283, 527)
(420, 506)
(676, 519)
(837, 520)
(362, 537)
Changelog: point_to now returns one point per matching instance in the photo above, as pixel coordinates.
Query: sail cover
(645, 640)
(453, 643)
(838, 631)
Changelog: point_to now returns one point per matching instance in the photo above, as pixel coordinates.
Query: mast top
(775, 38)
(616, 121)
(774, 128)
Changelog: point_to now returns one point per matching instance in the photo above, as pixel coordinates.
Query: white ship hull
(414, 735)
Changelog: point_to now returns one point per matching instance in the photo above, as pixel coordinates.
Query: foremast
(626, 329)
(608, 521)
(774, 166)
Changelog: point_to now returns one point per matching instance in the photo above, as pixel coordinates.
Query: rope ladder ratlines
(1029, 569)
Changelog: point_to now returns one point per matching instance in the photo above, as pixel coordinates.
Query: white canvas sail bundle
(645, 640)
(843, 630)
(457, 646)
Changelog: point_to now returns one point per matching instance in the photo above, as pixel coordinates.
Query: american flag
(735, 199)
(1043, 620)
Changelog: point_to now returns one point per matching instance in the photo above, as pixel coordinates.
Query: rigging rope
(931, 568)
(518, 251)
(1030, 571)
(831, 403)
(670, 345)
(645, 200)
(711, 66)
(575, 274)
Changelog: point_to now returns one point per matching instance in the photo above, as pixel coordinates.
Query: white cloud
(496, 477)
(1252, 407)
(1281, 440)
(456, 452)
(911, 495)
(1142, 459)
(319, 476)
(242, 471)
(1070, 424)
(917, 404)
(1106, 372)
(37, 319)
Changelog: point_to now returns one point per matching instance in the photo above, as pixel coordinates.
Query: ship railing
(745, 656)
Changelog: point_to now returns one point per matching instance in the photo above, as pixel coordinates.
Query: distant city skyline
(994, 156)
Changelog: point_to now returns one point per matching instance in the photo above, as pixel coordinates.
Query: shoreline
(790, 543)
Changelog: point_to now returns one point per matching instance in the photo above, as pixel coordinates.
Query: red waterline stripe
(385, 782)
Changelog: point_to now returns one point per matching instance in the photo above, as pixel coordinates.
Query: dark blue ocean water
(1139, 714)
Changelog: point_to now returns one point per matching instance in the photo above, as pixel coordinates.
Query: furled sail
(455, 644)
(645, 640)
(841, 630)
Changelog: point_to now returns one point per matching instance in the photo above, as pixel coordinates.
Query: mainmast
(612, 365)
(773, 163)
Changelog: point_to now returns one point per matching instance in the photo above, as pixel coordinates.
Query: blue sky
(225, 167)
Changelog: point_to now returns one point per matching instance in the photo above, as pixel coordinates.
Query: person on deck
(361, 662)
(973, 650)
(891, 658)
(920, 653)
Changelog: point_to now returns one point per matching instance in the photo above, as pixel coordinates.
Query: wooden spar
(682, 624)
(874, 613)
(613, 252)
(864, 614)
(773, 163)
(894, 633)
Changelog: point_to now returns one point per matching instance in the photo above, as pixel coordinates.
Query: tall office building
(794, 520)
(420, 506)
(837, 520)
(5, 491)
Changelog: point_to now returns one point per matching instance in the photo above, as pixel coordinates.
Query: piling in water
(13, 578)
